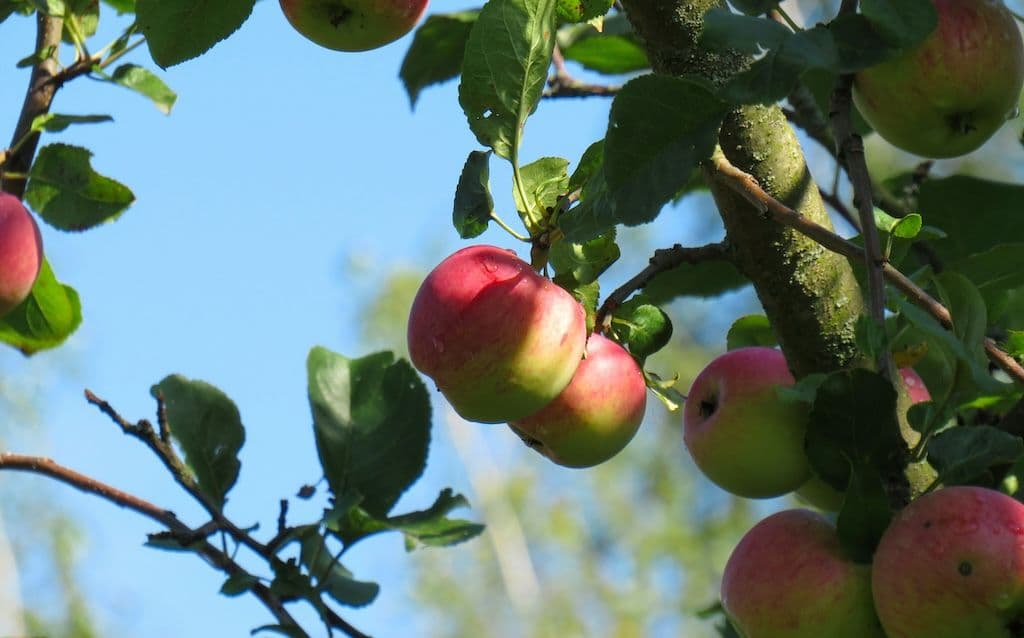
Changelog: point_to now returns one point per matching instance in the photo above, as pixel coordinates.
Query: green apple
(596, 415)
(499, 340)
(951, 94)
(741, 434)
(951, 565)
(353, 25)
(789, 578)
(21, 252)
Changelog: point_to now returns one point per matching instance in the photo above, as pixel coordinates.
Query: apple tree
(719, 98)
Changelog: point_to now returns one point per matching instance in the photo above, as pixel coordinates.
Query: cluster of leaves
(371, 418)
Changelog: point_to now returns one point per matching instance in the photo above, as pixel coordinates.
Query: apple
(21, 252)
(741, 435)
(353, 25)
(499, 340)
(789, 578)
(596, 415)
(948, 96)
(951, 565)
(820, 494)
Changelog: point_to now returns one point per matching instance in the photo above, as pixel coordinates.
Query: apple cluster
(21, 252)
(949, 95)
(506, 345)
(353, 25)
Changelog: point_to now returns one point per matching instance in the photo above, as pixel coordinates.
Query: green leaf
(50, 314)
(1014, 345)
(609, 54)
(238, 584)
(704, 279)
(997, 269)
(853, 424)
(904, 23)
(859, 44)
(121, 6)
(865, 514)
(871, 337)
(660, 127)
(589, 164)
(505, 69)
(55, 123)
(473, 201)
(331, 576)
(436, 51)
(68, 194)
(977, 210)
(754, 7)
(643, 327)
(543, 181)
(371, 418)
(751, 330)
(206, 425)
(179, 30)
(961, 454)
(432, 527)
(582, 10)
(146, 84)
(584, 263)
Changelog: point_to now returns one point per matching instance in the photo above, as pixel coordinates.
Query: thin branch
(749, 189)
(663, 259)
(562, 84)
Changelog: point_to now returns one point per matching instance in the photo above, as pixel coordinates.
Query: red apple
(739, 432)
(353, 25)
(825, 497)
(594, 418)
(21, 252)
(499, 340)
(951, 94)
(951, 565)
(789, 578)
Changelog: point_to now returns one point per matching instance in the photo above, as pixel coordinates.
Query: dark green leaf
(804, 390)
(871, 337)
(582, 10)
(963, 453)
(436, 51)
(68, 194)
(473, 201)
(372, 423)
(754, 7)
(55, 123)
(1014, 345)
(206, 425)
(998, 269)
(588, 165)
(859, 44)
(751, 330)
(121, 6)
(585, 262)
(290, 582)
(660, 127)
(332, 577)
(610, 54)
(976, 213)
(238, 584)
(586, 294)
(179, 30)
(644, 328)
(143, 82)
(432, 526)
(505, 69)
(49, 315)
(81, 18)
(865, 514)
(594, 215)
(904, 23)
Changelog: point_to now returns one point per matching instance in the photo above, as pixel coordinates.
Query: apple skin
(21, 252)
(820, 494)
(789, 578)
(950, 565)
(499, 340)
(739, 432)
(950, 95)
(353, 25)
(597, 414)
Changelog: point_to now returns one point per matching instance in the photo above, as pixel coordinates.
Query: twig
(747, 187)
(563, 84)
(662, 260)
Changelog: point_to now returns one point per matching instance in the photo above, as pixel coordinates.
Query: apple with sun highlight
(594, 418)
(21, 252)
(353, 25)
(499, 340)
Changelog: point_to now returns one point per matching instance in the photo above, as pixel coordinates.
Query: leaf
(432, 527)
(473, 201)
(979, 211)
(179, 30)
(331, 576)
(543, 181)
(50, 314)
(371, 418)
(997, 269)
(589, 164)
(852, 424)
(751, 330)
(121, 6)
(505, 69)
(609, 54)
(146, 84)
(206, 425)
(81, 17)
(584, 263)
(643, 327)
(659, 128)
(586, 294)
(871, 337)
(904, 23)
(68, 194)
(238, 583)
(436, 52)
(960, 454)
(865, 514)
(55, 123)
(1014, 345)
(754, 7)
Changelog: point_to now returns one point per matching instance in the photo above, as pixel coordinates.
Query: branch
(563, 84)
(664, 259)
(749, 189)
